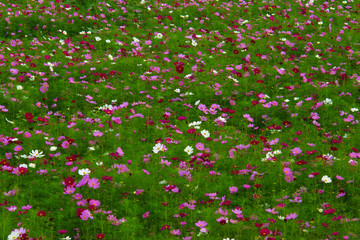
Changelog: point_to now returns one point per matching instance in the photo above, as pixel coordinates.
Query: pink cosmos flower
(122, 168)
(200, 146)
(27, 135)
(272, 211)
(85, 215)
(287, 171)
(175, 232)
(65, 144)
(97, 134)
(69, 190)
(201, 224)
(18, 148)
(233, 189)
(93, 183)
(246, 186)
(14, 71)
(296, 151)
(291, 216)
(339, 177)
(12, 208)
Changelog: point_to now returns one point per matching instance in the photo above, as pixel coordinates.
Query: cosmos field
(179, 119)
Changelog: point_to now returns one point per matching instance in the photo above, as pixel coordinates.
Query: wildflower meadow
(179, 119)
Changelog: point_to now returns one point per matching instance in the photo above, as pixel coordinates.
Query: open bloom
(326, 179)
(36, 153)
(205, 133)
(189, 150)
(84, 171)
(201, 224)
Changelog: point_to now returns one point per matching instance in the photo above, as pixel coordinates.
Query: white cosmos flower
(189, 150)
(13, 235)
(84, 171)
(53, 148)
(36, 153)
(354, 109)
(158, 147)
(222, 119)
(277, 151)
(159, 35)
(326, 179)
(23, 165)
(205, 133)
(19, 87)
(32, 165)
(328, 101)
(97, 38)
(177, 90)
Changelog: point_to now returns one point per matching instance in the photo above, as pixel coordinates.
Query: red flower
(180, 69)
(285, 123)
(41, 213)
(264, 232)
(191, 131)
(223, 222)
(295, 70)
(22, 170)
(69, 181)
(165, 227)
(100, 236)
(333, 148)
(236, 51)
(29, 117)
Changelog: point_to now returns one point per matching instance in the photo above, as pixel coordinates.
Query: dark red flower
(107, 178)
(333, 148)
(100, 236)
(264, 232)
(180, 69)
(41, 213)
(22, 170)
(164, 227)
(69, 181)
(257, 71)
(295, 70)
(29, 117)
